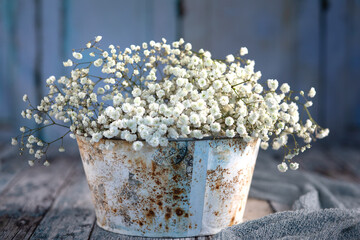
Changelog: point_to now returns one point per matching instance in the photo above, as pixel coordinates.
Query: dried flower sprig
(157, 91)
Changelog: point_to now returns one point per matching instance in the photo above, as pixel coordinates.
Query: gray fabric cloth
(322, 208)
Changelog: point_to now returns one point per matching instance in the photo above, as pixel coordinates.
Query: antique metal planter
(188, 188)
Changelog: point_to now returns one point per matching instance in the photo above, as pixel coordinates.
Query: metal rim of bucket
(179, 139)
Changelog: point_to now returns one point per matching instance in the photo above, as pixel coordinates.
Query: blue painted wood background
(305, 43)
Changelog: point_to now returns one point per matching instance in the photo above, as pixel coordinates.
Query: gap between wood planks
(28, 197)
(8, 168)
(71, 214)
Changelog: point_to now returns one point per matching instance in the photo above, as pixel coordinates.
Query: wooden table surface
(54, 202)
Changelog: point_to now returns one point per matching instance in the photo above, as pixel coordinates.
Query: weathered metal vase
(189, 188)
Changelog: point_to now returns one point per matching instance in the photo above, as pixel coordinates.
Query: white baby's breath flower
(258, 88)
(180, 82)
(188, 46)
(323, 133)
(137, 145)
(198, 134)
(264, 145)
(100, 90)
(105, 54)
(68, 63)
(98, 38)
(272, 84)
(156, 91)
(77, 55)
(229, 121)
(217, 84)
(230, 133)
(253, 117)
(312, 92)
(224, 100)
(96, 137)
(194, 118)
(248, 139)
(230, 58)
(294, 166)
(46, 163)
(25, 97)
(50, 80)
(98, 62)
(282, 167)
(243, 51)
(61, 149)
(241, 129)
(14, 141)
(215, 127)
(285, 88)
(308, 104)
(31, 163)
(276, 145)
(154, 142)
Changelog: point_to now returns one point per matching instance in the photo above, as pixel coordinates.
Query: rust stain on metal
(232, 221)
(150, 214)
(168, 214)
(179, 212)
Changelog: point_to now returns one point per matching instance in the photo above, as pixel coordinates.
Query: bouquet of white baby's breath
(155, 92)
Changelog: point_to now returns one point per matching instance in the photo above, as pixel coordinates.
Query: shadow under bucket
(189, 188)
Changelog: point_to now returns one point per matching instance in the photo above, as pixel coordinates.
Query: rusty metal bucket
(189, 188)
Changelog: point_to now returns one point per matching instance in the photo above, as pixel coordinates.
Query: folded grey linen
(330, 223)
(322, 208)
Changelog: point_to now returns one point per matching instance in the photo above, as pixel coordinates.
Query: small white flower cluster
(158, 91)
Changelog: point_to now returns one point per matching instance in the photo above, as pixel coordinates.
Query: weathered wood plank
(256, 208)
(72, 215)
(28, 198)
(99, 233)
(9, 165)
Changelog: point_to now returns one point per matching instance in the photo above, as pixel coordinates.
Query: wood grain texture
(8, 168)
(72, 215)
(28, 198)
(256, 208)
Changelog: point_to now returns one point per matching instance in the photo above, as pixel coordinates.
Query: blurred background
(305, 43)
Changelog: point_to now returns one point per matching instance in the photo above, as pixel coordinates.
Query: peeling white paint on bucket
(188, 188)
